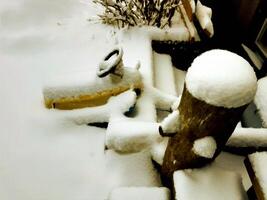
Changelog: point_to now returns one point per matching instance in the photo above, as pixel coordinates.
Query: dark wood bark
(197, 120)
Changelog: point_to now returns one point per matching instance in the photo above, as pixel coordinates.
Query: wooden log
(197, 120)
(218, 87)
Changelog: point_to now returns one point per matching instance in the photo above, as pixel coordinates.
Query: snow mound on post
(221, 78)
(205, 147)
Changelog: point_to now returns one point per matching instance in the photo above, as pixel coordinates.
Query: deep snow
(41, 156)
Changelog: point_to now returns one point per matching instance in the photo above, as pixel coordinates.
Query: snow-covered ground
(43, 157)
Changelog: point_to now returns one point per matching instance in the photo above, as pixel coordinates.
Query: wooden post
(197, 120)
(205, 112)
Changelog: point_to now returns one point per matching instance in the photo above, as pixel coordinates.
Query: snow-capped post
(218, 87)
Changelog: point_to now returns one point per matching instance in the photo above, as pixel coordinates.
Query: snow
(158, 150)
(205, 147)
(207, 183)
(42, 158)
(221, 78)
(178, 33)
(193, 34)
(170, 124)
(125, 170)
(175, 105)
(162, 101)
(42, 154)
(193, 6)
(140, 193)
(234, 163)
(141, 54)
(248, 137)
(165, 80)
(261, 100)
(203, 14)
(179, 80)
(259, 164)
(83, 83)
(114, 108)
(130, 135)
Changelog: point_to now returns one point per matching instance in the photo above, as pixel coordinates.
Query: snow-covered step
(125, 170)
(130, 136)
(140, 193)
(208, 183)
(164, 76)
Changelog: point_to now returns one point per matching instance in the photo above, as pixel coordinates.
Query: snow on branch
(124, 13)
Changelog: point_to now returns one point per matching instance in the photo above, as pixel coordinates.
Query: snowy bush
(124, 13)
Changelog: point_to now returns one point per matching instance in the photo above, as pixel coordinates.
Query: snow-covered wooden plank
(256, 165)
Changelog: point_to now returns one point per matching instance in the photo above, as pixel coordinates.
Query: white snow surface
(258, 161)
(170, 124)
(131, 136)
(42, 157)
(127, 170)
(205, 147)
(140, 193)
(114, 108)
(165, 80)
(261, 100)
(203, 14)
(207, 183)
(84, 83)
(158, 150)
(221, 78)
(179, 80)
(248, 137)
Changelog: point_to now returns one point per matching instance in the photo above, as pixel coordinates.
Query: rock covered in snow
(140, 193)
(208, 183)
(221, 78)
(205, 147)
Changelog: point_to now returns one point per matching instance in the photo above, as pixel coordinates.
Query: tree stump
(210, 107)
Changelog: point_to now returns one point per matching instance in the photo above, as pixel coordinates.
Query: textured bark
(197, 120)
